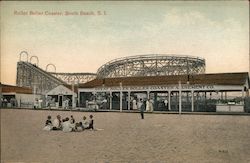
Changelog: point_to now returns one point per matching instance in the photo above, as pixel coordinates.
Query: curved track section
(152, 65)
(69, 78)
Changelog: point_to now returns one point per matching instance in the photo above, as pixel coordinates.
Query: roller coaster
(31, 75)
(152, 65)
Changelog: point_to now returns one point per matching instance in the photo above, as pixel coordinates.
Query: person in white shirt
(67, 126)
(79, 127)
(85, 122)
(166, 103)
(104, 104)
(57, 123)
(48, 124)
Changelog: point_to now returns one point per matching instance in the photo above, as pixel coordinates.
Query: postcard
(125, 81)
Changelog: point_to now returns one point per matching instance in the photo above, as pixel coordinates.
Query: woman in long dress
(134, 105)
(151, 105)
(147, 105)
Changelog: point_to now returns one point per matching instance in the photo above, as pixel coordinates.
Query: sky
(215, 31)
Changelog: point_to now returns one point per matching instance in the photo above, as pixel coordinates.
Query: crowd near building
(166, 83)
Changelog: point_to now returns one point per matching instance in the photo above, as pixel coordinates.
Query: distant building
(14, 96)
(61, 97)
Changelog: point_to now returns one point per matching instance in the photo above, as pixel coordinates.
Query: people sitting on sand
(57, 124)
(85, 123)
(67, 126)
(91, 122)
(79, 127)
(48, 124)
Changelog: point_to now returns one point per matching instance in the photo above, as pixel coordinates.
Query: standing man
(141, 106)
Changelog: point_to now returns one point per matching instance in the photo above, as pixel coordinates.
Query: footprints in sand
(223, 151)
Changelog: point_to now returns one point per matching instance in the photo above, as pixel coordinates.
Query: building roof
(61, 89)
(215, 79)
(15, 89)
(70, 87)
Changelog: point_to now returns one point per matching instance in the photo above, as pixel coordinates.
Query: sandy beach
(124, 137)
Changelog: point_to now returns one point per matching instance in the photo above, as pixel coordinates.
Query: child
(57, 124)
(85, 123)
(48, 124)
(79, 127)
(72, 119)
(91, 122)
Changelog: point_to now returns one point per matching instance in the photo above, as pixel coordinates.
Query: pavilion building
(200, 92)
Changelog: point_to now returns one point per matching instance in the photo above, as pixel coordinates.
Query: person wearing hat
(48, 124)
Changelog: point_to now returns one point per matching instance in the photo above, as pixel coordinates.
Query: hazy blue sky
(216, 31)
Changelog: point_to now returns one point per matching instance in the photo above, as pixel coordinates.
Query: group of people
(51, 102)
(136, 105)
(69, 124)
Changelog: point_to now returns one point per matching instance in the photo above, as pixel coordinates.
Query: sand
(124, 137)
